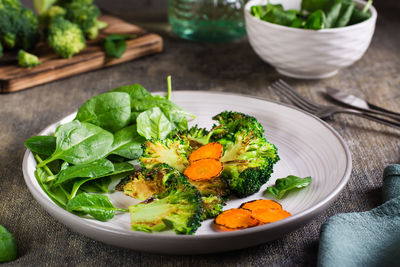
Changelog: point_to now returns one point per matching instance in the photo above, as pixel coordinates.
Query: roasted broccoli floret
(27, 60)
(248, 157)
(196, 136)
(18, 25)
(214, 187)
(178, 207)
(143, 184)
(172, 151)
(212, 206)
(65, 37)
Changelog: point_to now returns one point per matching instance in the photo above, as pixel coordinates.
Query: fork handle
(372, 117)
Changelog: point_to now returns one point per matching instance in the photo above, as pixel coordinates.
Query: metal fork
(320, 111)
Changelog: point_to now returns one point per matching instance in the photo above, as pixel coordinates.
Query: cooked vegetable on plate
(182, 175)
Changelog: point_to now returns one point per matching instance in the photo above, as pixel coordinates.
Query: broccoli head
(18, 25)
(65, 37)
(84, 14)
(178, 207)
(212, 207)
(145, 183)
(52, 12)
(213, 187)
(27, 60)
(172, 151)
(248, 157)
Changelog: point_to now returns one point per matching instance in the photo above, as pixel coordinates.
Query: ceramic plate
(307, 147)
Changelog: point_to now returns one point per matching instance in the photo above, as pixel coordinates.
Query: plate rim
(51, 207)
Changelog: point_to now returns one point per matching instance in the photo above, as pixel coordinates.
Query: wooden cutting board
(53, 67)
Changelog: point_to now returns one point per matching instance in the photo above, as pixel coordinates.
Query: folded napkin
(370, 238)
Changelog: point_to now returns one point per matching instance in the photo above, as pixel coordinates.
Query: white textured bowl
(308, 54)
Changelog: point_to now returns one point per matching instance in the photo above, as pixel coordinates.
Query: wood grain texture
(53, 67)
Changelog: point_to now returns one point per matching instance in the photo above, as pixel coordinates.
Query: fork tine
(290, 89)
(294, 101)
(297, 101)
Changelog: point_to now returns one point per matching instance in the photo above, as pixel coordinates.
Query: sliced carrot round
(204, 169)
(210, 151)
(269, 215)
(261, 204)
(235, 219)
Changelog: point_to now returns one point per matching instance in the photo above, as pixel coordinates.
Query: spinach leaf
(153, 123)
(280, 16)
(333, 13)
(135, 91)
(118, 168)
(8, 246)
(345, 13)
(41, 144)
(316, 21)
(284, 185)
(80, 142)
(55, 193)
(98, 206)
(361, 15)
(115, 44)
(313, 5)
(97, 186)
(92, 169)
(128, 143)
(110, 111)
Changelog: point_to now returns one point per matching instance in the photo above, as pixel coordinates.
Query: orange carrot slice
(261, 204)
(269, 215)
(235, 219)
(210, 151)
(203, 169)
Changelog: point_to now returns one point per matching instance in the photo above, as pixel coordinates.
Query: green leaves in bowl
(314, 14)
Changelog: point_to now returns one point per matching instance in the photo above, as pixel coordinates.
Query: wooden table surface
(229, 68)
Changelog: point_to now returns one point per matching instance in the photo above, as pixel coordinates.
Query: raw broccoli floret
(51, 13)
(143, 184)
(18, 25)
(65, 37)
(248, 157)
(172, 151)
(27, 60)
(84, 14)
(212, 206)
(179, 207)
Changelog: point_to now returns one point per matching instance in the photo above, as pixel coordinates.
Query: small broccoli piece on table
(172, 151)
(143, 184)
(65, 37)
(248, 157)
(212, 206)
(179, 207)
(27, 60)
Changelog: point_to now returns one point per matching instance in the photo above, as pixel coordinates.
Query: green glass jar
(207, 20)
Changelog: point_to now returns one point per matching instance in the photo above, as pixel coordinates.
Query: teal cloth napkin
(370, 238)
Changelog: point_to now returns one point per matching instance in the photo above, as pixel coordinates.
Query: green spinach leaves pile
(314, 14)
(82, 158)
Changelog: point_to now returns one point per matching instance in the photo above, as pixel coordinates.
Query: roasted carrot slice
(210, 151)
(235, 219)
(261, 204)
(269, 215)
(203, 169)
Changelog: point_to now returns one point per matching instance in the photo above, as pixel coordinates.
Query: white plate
(307, 147)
